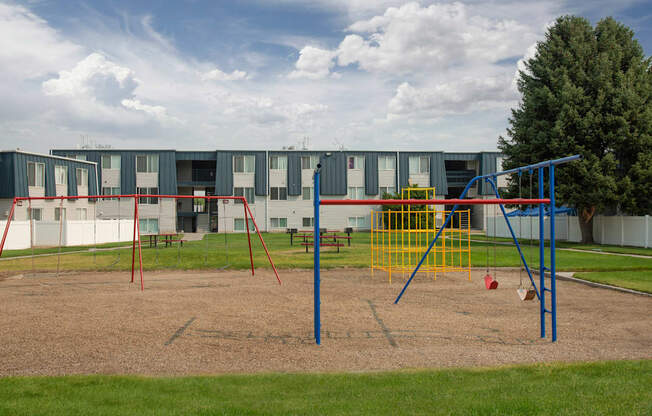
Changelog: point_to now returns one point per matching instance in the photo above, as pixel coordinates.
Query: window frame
(82, 180)
(245, 191)
(79, 211)
(57, 170)
(36, 176)
(311, 192)
(385, 159)
(278, 158)
(357, 190)
(31, 215)
(244, 158)
(57, 213)
(356, 166)
(148, 200)
(151, 162)
(278, 222)
(112, 158)
(278, 193)
(312, 162)
(311, 221)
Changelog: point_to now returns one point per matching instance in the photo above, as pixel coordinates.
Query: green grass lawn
(642, 251)
(220, 250)
(640, 280)
(607, 388)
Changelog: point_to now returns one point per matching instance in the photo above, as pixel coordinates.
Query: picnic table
(167, 238)
(323, 233)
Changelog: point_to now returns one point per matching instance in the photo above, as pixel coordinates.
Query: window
(357, 222)
(248, 193)
(36, 214)
(111, 191)
(307, 193)
(356, 192)
(239, 225)
(82, 213)
(386, 190)
(308, 221)
(356, 162)
(82, 177)
(386, 163)
(57, 214)
(76, 156)
(147, 163)
(35, 174)
(278, 162)
(61, 175)
(419, 165)
(244, 164)
(309, 162)
(111, 162)
(278, 194)
(148, 200)
(279, 222)
(148, 225)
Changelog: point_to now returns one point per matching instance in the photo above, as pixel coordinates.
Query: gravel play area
(206, 322)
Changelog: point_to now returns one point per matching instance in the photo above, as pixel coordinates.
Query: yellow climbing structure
(401, 235)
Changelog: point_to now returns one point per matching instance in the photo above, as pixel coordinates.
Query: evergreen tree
(587, 91)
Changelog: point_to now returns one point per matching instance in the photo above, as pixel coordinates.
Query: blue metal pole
(553, 278)
(316, 246)
(542, 261)
(511, 231)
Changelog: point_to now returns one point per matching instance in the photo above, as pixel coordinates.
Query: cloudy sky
(262, 74)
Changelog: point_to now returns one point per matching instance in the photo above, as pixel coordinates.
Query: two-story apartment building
(277, 184)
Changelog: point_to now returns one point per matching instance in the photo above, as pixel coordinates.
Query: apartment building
(277, 184)
(25, 174)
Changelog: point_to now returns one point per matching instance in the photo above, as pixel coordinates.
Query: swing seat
(526, 294)
(490, 283)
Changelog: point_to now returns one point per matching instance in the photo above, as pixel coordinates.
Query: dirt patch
(217, 322)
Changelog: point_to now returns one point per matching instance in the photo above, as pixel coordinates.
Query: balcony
(200, 177)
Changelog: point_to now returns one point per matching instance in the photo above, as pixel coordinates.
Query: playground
(207, 322)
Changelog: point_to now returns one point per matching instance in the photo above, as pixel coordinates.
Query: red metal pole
(133, 244)
(140, 251)
(495, 201)
(264, 246)
(251, 256)
(11, 214)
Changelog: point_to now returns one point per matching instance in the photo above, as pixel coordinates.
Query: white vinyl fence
(73, 233)
(614, 230)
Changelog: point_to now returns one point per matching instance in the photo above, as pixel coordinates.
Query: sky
(264, 74)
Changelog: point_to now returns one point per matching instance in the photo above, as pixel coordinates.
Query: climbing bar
(499, 201)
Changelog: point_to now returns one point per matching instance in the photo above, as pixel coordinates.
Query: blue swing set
(491, 179)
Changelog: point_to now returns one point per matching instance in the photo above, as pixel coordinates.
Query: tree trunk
(586, 224)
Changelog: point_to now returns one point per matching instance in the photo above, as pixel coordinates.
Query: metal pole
(553, 283)
(251, 256)
(4, 235)
(315, 242)
(542, 262)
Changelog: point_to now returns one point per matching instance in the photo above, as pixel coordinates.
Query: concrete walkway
(193, 236)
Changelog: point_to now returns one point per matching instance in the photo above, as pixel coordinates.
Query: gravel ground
(230, 322)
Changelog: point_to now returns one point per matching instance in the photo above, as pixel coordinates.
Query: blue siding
(224, 174)
(294, 174)
(167, 173)
(195, 155)
(404, 171)
(438, 173)
(487, 166)
(260, 179)
(371, 173)
(7, 183)
(333, 177)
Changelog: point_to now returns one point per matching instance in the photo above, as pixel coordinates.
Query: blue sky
(262, 74)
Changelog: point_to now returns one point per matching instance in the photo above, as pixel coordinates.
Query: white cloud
(412, 39)
(218, 75)
(29, 47)
(96, 78)
(313, 63)
(456, 97)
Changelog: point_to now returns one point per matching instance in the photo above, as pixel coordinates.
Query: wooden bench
(338, 245)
